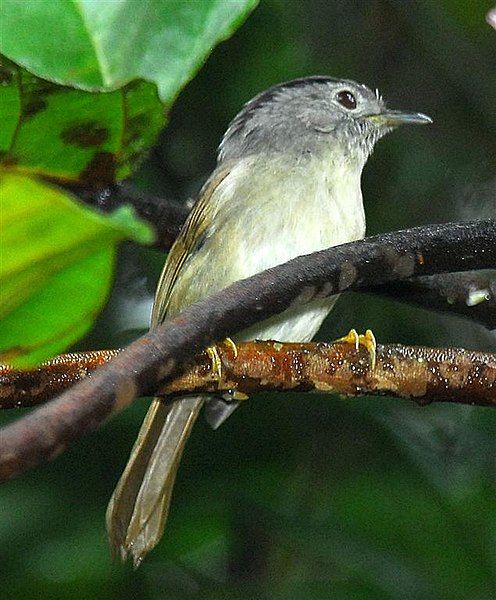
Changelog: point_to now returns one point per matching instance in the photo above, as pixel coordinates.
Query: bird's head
(311, 115)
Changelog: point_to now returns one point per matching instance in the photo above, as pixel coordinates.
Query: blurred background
(303, 496)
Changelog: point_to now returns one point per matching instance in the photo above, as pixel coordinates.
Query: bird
(287, 182)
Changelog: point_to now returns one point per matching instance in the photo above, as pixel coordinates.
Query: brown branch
(447, 293)
(469, 294)
(158, 355)
(422, 374)
(22, 388)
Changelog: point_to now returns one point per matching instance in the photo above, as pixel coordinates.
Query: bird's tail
(138, 509)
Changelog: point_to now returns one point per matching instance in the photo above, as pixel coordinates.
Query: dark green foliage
(304, 497)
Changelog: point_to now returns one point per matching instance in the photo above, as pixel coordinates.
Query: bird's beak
(393, 118)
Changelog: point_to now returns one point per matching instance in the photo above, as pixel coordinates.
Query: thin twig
(469, 294)
(164, 216)
(422, 374)
(158, 355)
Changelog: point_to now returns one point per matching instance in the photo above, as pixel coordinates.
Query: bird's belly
(298, 324)
(316, 229)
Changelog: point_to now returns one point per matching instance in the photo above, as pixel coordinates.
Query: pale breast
(269, 213)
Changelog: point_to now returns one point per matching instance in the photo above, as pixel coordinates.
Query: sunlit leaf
(56, 268)
(72, 135)
(103, 45)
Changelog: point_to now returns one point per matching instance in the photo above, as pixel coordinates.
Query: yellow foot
(234, 394)
(216, 363)
(233, 346)
(367, 341)
(213, 354)
(351, 337)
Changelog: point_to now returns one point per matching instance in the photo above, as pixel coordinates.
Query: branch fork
(157, 357)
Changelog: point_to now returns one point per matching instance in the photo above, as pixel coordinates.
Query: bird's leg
(366, 340)
(217, 410)
(233, 346)
(352, 338)
(213, 353)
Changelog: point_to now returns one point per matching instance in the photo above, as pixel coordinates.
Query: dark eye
(346, 99)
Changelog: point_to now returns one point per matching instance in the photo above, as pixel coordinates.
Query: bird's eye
(346, 99)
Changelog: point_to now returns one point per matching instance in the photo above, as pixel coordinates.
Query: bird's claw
(232, 345)
(213, 354)
(367, 340)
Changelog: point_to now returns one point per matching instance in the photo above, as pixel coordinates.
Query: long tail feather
(138, 509)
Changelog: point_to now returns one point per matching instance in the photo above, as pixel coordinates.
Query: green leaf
(71, 135)
(98, 45)
(56, 267)
(10, 105)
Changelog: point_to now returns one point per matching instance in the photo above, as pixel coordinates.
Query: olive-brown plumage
(287, 183)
